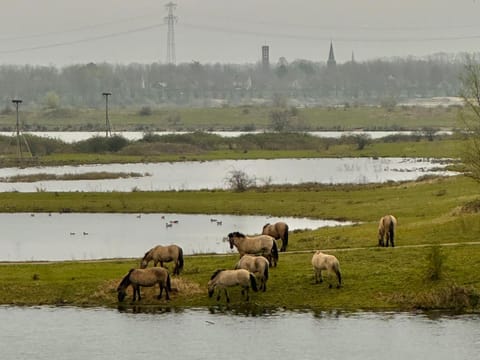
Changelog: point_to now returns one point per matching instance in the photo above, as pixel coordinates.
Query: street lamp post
(108, 130)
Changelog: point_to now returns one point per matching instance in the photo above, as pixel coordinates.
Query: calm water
(71, 333)
(213, 174)
(27, 237)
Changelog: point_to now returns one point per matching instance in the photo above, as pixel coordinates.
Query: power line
(72, 30)
(84, 40)
(327, 38)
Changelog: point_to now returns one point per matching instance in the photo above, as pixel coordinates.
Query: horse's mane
(264, 226)
(126, 280)
(236, 233)
(146, 254)
(216, 273)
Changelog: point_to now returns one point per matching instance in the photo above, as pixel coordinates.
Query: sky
(64, 32)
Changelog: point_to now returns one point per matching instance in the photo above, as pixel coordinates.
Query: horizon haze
(61, 33)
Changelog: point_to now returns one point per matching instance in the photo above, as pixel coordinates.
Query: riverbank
(432, 213)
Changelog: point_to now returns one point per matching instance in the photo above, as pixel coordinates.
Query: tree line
(302, 82)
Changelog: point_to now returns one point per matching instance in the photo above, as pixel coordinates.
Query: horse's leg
(161, 290)
(167, 295)
(226, 295)
(247, 290)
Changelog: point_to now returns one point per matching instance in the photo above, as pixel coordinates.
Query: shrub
(239, 181)
(435, 264)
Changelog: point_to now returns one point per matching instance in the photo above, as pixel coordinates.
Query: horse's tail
(169, 283)
(253, 282)
(285, 238)
(275, 251)
(391, 230)
(180, 260)
(265, 272)
(339, 275)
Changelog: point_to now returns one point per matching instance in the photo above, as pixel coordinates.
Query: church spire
(331, 57)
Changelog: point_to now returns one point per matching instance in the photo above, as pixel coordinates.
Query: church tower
(331, 63)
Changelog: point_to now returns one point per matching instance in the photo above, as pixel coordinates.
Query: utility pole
(171, 19)
(17, 128)
(17, 102)
(108, 129)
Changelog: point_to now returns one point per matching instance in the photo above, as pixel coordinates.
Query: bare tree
(238, 180)
(470, 115)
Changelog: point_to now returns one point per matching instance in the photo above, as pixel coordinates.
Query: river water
(195, 175)
(77, 236)
(78, 334)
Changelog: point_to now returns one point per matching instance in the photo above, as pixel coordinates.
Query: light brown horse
(221, 279)
(264, 245)
(145, 277)
(279, 230)
(161, 254)
(386, 229)
(257, 265)
(329, 263)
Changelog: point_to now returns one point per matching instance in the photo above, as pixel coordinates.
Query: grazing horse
(145, 277)
(264, 245)
(320, 262)
(386, 229)
(258, 265)
(221, 279)
(279, 230)
(161, 254)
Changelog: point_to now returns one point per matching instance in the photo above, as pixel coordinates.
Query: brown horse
(264, 245)
(386, 229)
(221, 279)
(258, 265)
(321, 262)
(161, 254)
(279, 230)
(145, 277)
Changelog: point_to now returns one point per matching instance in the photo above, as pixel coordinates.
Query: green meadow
(437, 234)
(434, 266)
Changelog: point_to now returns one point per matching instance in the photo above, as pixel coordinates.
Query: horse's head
(266, 225)
(143, 263)
(211, 288)
(121, 293)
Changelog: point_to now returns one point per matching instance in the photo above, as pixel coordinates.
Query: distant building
(331, 63)
(265, 57)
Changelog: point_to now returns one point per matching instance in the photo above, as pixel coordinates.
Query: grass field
(434, 212)
(235, 118)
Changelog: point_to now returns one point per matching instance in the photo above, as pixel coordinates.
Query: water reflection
(76, 236)
(201, 334)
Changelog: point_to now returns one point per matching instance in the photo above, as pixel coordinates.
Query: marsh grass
(100, 175)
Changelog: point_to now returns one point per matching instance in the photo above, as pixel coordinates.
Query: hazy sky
(62, 32)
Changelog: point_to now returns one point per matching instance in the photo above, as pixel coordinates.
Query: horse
(264, 245)
(320, 262)
(386, 229)
(258, 265)
(221, 279)
(279, 230)
(161, 254)
(145, 277)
